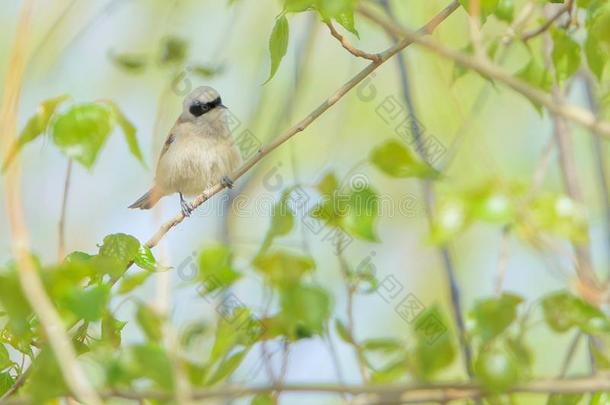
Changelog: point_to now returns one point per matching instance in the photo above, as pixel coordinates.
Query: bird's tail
(148, 200)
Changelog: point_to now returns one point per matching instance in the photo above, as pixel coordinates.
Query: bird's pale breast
(193, 163)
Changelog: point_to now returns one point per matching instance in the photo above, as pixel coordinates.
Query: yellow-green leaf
(278, 44)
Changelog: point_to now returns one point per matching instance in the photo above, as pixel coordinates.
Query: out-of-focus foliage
(88, 288)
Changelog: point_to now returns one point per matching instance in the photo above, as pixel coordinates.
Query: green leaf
(5, 359)
(494, 202)
(497, 370)
(384, 345)
(16, 305)
(597, 44)
(216, 263)
(537, 75)
(451, 218)
(81, 132)
(297, 6)
(487, 7)
(343, 332)
(328, 185)
(130, 283)
(564, 399)
(145, 259)
(362, 214)
(88, 304)
(434, 350)
(207, 72)
(558, 214)
(129, 131)
(131, 62)
(193, 332)
(346, 19)
(305, 310)
(121, 247)
(283, 269)
(174, 51)
(395, 160)
(262, 399)
(505, 10)
(152, 362)
(282, 221)
(390, 372)
(565, 55)
(36, 126)
(600, 398)
(237, 328)
(227, 367)
(493, 315)
(278, 44)
(45, 381)
(563, 311)
(150, 322)
(6, 382)
(111, 330)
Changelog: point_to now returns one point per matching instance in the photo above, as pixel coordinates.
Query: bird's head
(203, 105)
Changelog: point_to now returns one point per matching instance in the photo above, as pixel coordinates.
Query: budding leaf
(396, 160)
(565, 55)
(35, 127)
(278, 44)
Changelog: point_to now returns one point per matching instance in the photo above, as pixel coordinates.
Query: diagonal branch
(305, 122)
(565, 8)
(573, 113)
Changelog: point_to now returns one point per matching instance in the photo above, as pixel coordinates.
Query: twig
(350, 291)
(429, 196)
(29, 280)
(565, 8)
(570, 355)
(305, 122)
(486, 68)
(375, 57)
(601, 165)
(62, 218)
(386, 394)
(502, 260)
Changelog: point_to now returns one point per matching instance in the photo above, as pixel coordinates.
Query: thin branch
(565, 8)
(429, 196)
(305, 122)
(503, 257)
(601, 165)
(380, 394)
(350, 291)
(375, 57)
(62, 218)
(29, 279)
(570, 354)
(569, 173)
(488, 69)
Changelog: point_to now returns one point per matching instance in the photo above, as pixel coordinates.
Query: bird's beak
(223, 106)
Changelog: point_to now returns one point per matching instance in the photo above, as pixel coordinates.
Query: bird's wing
(170, 139)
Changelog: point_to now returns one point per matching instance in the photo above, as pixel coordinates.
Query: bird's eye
(198, 109)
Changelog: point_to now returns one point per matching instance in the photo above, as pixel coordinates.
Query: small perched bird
(198, 153)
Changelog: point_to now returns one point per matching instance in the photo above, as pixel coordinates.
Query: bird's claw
(187, 208)
(227, 182)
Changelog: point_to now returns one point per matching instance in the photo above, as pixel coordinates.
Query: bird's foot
(226, 182)
(186, 207)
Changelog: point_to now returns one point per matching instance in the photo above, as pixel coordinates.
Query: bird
(199, 152)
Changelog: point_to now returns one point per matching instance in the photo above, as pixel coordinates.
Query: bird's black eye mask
(198, 108)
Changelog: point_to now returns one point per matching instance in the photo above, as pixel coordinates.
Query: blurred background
(115, 50)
